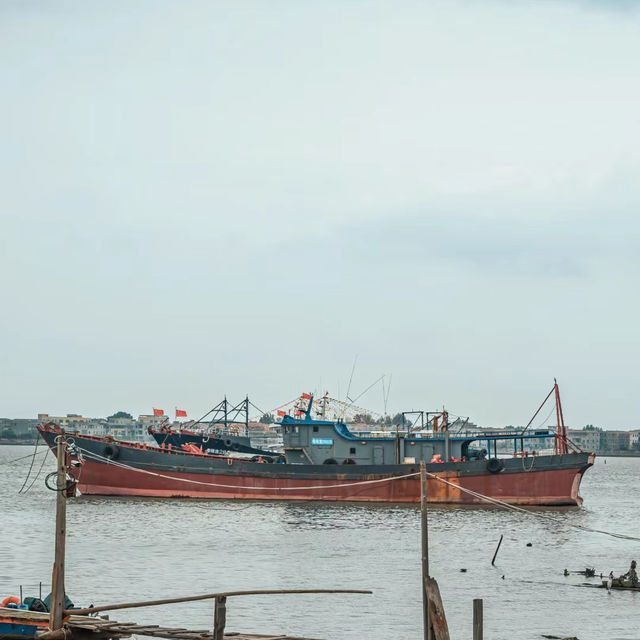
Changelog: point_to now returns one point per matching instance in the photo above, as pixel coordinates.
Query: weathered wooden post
(477, 619)
(219, 617)
(424, 530)
(57, 580)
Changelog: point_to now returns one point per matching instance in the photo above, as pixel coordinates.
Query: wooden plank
(24, 614)
(108, 625)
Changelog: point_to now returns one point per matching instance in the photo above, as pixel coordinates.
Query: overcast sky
(205, 197)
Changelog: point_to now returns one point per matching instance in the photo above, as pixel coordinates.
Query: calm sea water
(134, 549)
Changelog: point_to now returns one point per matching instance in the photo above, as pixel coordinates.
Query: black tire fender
(112, 451)
(495, 465)
(330, 461)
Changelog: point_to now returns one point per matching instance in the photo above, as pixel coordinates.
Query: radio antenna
(355, 360)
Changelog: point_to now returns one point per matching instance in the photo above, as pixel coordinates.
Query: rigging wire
(355, 360)
(286, 404)
(545, 420)
(262, 413)
(367, 389)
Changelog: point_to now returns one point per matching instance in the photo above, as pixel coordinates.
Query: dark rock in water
(529, 544)
(463, 571)
(503, 577)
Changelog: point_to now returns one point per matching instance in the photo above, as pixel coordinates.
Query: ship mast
(561, 429)
(561, 441)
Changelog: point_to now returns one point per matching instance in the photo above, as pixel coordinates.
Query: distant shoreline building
(124, 427)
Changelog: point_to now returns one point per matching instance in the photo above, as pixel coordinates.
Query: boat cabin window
(315, 429)
(352, 450)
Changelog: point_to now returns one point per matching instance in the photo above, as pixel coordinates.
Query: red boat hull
(116, 468)
(556, 487)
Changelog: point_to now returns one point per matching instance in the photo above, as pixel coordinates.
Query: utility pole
(57, 581)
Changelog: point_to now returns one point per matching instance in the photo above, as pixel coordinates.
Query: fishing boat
(216, 431)
(15, 625)
(324, 460)
(620, 584)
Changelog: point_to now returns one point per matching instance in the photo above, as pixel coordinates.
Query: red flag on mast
(306, 396)
(181, 413)
(281, 414)
(158, 412)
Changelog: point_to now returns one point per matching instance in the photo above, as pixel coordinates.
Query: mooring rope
(31, 455)
(236, 486)
(494, 501)
(33, 458)
(39, 472)
(544, 516)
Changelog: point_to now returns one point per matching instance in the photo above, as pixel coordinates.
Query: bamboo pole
(207, 596)
(57, 579)
(424, 530)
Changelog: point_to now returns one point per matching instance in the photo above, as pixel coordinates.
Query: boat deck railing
(494, 434)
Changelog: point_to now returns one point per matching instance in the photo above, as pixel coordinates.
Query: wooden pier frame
(105, 629)
(219, 617)
(206, 596)
(91, 628)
